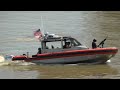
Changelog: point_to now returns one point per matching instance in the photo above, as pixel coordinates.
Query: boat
(57, 49)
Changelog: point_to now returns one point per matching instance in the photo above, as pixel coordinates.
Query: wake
(7, 61)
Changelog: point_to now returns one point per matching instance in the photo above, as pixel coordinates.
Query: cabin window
(75, 42)
(53, 45)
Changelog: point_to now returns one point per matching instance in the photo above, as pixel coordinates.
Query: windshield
(53, 45)
(74, 42)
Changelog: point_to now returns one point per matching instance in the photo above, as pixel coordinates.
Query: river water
(16, 38)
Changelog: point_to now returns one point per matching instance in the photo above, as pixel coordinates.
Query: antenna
(42, 25)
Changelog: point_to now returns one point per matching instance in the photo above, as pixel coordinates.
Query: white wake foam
(109, 61)
(2, 59)
(7, 60)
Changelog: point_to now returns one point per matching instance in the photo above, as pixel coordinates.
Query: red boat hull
(98, 55)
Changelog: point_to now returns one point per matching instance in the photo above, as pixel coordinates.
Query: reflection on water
(57, 71)
(74, 71)
(17, 72)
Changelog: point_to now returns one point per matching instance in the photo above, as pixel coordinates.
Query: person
(39, 51)
(52, 46)
(67, 45)
(24, 54)
(94, 43)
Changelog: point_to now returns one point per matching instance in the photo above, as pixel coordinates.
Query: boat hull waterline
(98, 55)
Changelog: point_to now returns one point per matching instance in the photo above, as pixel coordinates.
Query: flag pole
(42, 44)
(42, 25)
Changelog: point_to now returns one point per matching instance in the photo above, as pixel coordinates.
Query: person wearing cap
(94, 44)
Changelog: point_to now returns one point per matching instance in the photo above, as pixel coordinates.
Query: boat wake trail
(2, 59)
(7, 61)
(108, 61)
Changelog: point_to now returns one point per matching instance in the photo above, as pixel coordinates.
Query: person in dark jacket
(39, 51)
(94, 43)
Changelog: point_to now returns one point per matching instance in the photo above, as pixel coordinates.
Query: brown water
(16, 37)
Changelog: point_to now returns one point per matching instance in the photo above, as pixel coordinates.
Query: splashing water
(109, 61)
(21, 63)
(7, 60)
(2, 59)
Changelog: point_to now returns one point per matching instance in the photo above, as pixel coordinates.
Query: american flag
(38, 34)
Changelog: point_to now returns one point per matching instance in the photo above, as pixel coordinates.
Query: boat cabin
(53, 43)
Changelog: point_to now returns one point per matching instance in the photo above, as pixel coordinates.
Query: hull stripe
(73, 53)
(67, 56)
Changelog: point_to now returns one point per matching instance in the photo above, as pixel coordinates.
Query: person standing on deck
(39, 51)
(94, 44)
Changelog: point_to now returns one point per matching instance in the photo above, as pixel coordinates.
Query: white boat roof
(53, 38)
